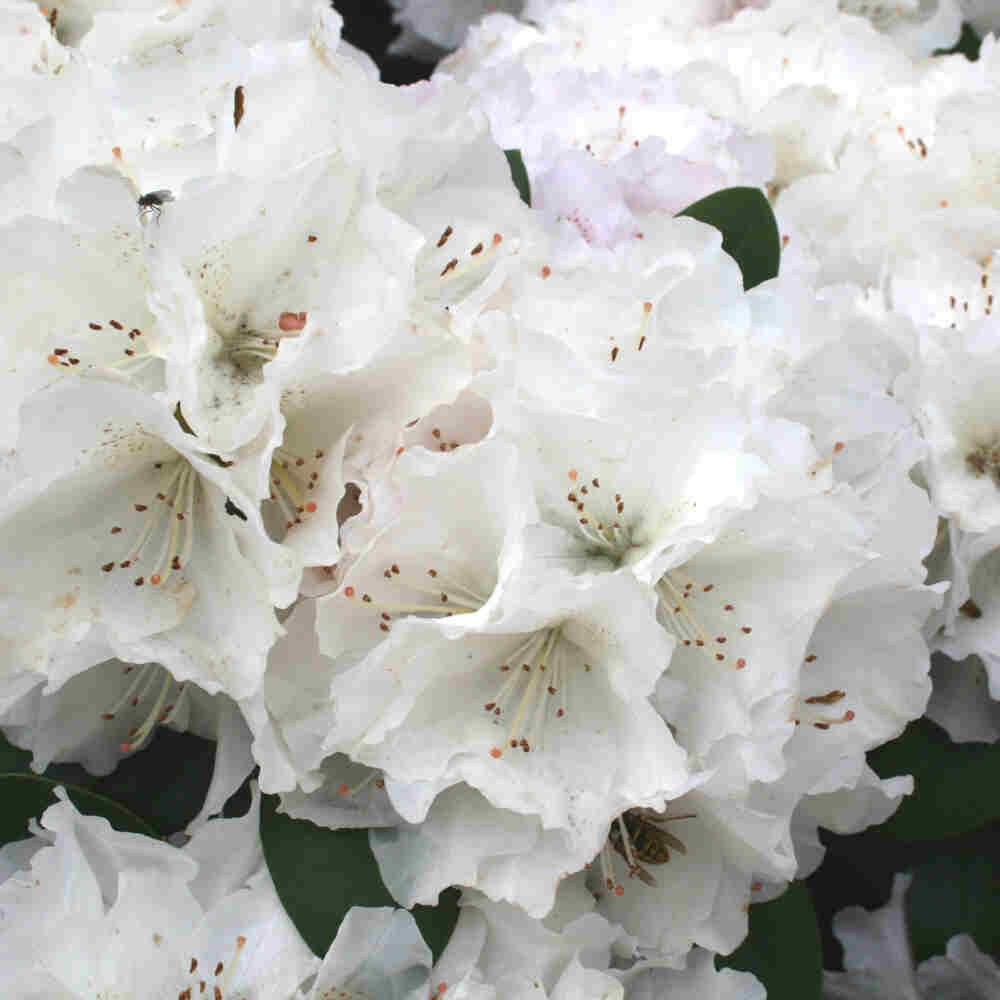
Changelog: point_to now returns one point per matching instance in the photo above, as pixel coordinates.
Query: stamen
(174, 499)
(599, 516)
(816, 719)
(541, 658)
(129, 358)
(292, 478)
(688, 611)
(424, 592)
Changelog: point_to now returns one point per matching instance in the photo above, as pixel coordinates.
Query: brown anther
(450, 266)
(478, 248)
(444, 236)
(141, 507)
(95, 326)
(810, 658)
(970, 609)
(614, 353)
(115, 324)
(140, 580)
(108, 567)
(239, 101)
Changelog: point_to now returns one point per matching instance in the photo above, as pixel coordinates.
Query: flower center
(533, 689)
(984, 460)
(168, 525)
(702, 619)
(221, 974)
(292, 478)
(600, 516)
(146, 685)
(251, 348)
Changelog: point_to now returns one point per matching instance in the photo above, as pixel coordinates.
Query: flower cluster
(527, 537)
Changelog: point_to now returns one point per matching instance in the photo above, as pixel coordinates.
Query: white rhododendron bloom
(525, 537)
(152, 563)
(879, 962)
(121, 915)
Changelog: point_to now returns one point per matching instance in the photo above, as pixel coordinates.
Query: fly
(153, 202)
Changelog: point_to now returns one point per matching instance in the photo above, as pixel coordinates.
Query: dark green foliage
(320, 874)
(27, 796)
(968, 44)
(956, 783)
(749, 230)
(519, 174)
(783, 948)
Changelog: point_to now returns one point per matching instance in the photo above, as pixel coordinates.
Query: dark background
(368, 25)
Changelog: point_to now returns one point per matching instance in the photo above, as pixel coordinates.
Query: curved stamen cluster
(427, 592)
(350, 791)
(527, 695)
(976, 304)
(690, 605)
(639, 338)
(461, 272)
(135, 353)
(168, 516)
(599, 515)
(811, 712)
(222, 973)
(144, 685)
(292, 479)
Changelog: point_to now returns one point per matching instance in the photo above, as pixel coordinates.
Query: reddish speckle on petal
(848, 715)
(496, 752)
(349, 591)
(573, 474)
(546, 271)
(619, 890)
(311, 507)
(343, 790)
(116, 152)
(289, 321)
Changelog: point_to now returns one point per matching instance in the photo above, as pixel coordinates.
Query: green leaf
(151, 782)
(967, 45)
(749, 230)
(519, 174)
(783, 947)
(320, 874)
(955, 782)
(27, 796)
(955, 894)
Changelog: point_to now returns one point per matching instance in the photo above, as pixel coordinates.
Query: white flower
(498, 950)
(880, 965)
(698, 980)
(953, 397)
(110, 711)
(525, 680)
(121, 915)
(161, 556)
